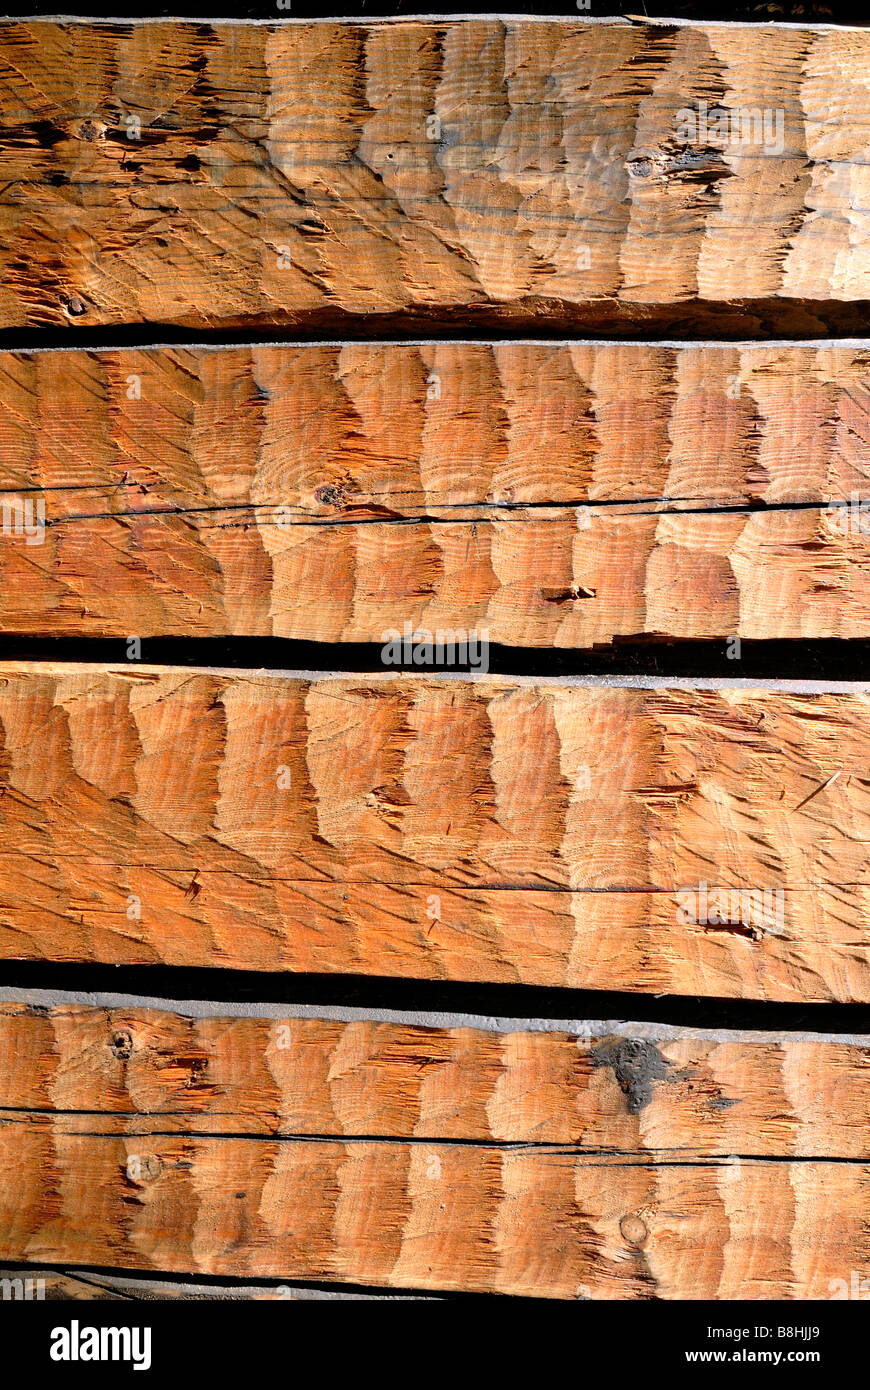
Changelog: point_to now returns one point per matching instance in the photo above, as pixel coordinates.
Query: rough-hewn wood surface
(704, 1097)
(545, 1222)
(343, 180)
(530, 1163)
(482, 830)
(333, 493)
(519, 172)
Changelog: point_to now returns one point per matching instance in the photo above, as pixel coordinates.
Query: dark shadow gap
(661, 658)
(538, 318)
(784, 11)
(176, 983)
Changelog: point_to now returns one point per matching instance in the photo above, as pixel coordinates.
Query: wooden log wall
(493, 173)
(336, 493)
(556, 343)
(414, 1157)
(702, 843)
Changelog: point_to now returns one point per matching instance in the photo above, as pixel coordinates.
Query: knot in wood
(122, 1045)
(633, 1229)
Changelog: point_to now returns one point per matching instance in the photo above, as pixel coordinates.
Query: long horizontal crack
(609, 1156)
(634, 507)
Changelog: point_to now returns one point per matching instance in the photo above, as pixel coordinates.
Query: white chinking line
(567, 20)
(682, 344)
(630, 682)
(418, 1018)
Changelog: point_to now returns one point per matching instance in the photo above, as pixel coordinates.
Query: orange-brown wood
(586, 1167)
(666, 841)
(546, 495)
(470, 1217)
(714, 1097)
(518, 172)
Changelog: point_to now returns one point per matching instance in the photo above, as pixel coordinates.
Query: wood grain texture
(546, 494)
(545, 1223)
(577, 1196)
(442, 829)
(519, 172)
(699, 1096)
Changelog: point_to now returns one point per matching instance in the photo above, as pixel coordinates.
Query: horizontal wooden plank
(695, 842)
(519, 172)
(542, 494)
(454, 1217)
(150, 1070)
(534, 1163)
